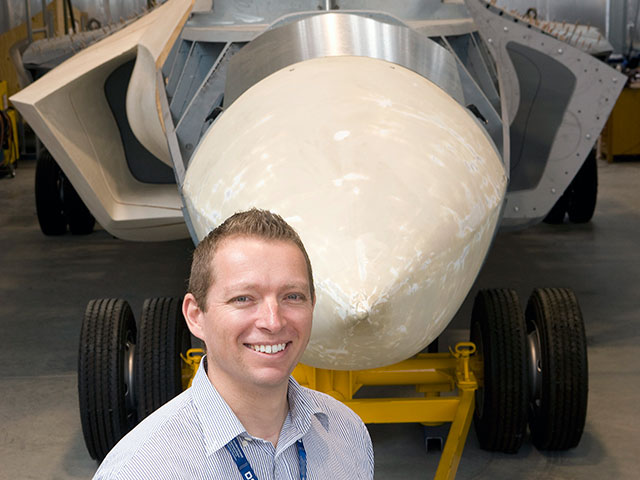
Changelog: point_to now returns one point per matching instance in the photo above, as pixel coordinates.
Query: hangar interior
(531, 147)
(48, 281)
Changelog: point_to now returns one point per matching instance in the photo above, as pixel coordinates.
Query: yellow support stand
(11, 154)
(456, 372)
(431, 374)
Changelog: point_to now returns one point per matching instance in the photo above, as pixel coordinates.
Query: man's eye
(295, 296)
(241, 299)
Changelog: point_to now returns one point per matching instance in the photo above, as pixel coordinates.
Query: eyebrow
(248, 286)
(301, 286)
(236, 287)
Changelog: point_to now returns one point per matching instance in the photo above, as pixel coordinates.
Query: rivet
(553, 190)
(490, 40)
(559, 50)
(588, 136)
(615, 80)
(516, 209)
(506, 29)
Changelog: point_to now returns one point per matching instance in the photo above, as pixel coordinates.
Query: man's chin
(270, 377)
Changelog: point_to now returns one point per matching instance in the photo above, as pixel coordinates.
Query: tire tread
(559, 422)
(503, 422)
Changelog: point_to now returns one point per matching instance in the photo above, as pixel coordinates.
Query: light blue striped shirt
(186, 438)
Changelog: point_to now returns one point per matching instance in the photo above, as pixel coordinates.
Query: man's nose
(270, 317)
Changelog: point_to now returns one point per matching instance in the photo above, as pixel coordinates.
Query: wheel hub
(535, 366)
(129, 377)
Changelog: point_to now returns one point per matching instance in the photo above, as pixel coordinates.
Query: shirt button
(244, 442)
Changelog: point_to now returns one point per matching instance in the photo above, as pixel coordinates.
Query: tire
(76, 213)
(558, 367)
(498, 330)
(105, 374)
(163, 336)
(583, 191)
(558, 212)
(49, 196)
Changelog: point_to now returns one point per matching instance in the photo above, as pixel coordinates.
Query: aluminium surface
(596, 88)
(335, 34)
(475, 96)
(541, 170)
(194, 120)
(188, 61)
(248, 14)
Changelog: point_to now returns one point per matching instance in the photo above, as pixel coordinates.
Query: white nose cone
(393, 187)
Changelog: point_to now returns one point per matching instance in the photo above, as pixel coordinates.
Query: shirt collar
(303, 406)
(220, 425)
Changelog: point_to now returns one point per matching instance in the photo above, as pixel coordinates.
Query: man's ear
(193, 316)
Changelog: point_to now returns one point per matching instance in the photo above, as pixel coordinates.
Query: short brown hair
(251, 223)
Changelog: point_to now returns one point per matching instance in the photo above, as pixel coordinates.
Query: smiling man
(251, 299)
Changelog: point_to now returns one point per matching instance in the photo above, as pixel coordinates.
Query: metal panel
(468, 50)
(246, 14)
(198, 64)
(546, 86)
(195, 119)
(174, 73)
(174, 150)
(334, 34)
(596, 88)
(474, 98)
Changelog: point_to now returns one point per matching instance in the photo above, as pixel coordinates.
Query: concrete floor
(45, 284)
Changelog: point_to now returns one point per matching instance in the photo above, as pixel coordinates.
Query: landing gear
(57, 202)
(124, 374)
(534, 366)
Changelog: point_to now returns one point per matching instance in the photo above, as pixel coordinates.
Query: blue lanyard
(245, 469)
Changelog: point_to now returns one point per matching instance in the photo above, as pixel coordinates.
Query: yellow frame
(458, 372)
(12, 155)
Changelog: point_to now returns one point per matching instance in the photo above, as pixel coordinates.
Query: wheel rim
(535, 366)
(129, 377)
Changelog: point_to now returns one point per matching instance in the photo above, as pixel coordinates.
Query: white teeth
(269, 348)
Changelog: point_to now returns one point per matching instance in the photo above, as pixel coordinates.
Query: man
(251, 299)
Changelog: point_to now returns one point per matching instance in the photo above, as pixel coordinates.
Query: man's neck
(262, 411)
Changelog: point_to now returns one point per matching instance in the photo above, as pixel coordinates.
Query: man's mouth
(269, 349)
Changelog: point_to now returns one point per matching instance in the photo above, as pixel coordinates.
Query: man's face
(259, 312)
